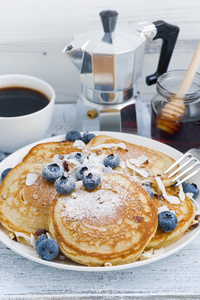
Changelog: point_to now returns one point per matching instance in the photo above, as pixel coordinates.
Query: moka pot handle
(168, 33)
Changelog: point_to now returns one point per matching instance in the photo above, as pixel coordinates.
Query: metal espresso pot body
(110, 63)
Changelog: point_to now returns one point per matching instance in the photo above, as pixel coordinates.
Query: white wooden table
(33, 34)
(176, 277)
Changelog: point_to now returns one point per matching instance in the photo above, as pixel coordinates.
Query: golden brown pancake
(25, 208)
(46, 151)
(185, 214)
(113, 223)
(157, 162)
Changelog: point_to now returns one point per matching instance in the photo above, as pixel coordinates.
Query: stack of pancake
(113, 223)
(24, 207)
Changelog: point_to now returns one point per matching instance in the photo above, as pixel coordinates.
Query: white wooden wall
(34, 32)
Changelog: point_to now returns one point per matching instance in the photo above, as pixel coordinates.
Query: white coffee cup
(16, 132)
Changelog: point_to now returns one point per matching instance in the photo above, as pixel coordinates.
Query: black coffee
(19, 101)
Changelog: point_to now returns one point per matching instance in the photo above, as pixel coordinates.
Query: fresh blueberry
(73, 135)
(40, 239)
(2, 156)
(52, 171)
(81, 170)
(112, 161)
(78, 156)
(4, 173)
(191, 188)
(87, 137)
(91, 181)
(167, 221)
(64, 185)
(48, 249)
(149, 190)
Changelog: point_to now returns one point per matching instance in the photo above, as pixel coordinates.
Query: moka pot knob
(109, 20)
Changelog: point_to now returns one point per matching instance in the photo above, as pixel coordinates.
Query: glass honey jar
(175, 118)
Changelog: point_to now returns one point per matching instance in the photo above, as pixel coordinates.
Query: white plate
(64, 263)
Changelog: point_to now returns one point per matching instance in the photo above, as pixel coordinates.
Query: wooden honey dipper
(173, 111)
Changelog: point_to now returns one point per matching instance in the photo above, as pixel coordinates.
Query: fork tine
(187, 177)
(187, 154)
(186, 171)
(183, 165)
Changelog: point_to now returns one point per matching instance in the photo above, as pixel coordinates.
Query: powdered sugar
(100, 204)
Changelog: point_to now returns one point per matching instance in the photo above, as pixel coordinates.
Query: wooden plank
(57, 20)
(175, 275)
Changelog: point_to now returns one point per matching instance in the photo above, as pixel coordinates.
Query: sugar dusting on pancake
(110, 224)
(92, 206)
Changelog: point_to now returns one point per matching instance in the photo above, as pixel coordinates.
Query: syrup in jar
(175, 118)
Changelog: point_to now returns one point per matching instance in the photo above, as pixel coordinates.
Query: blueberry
(111, 160)
(87, 137)
(191, 188)
(91, 181)
(149, 190)
(48, 249)
(2, 156)
(40, 239)
(167, 221)
(81, 170)
(64, 185)
(78, 156)
(4, 173)
(73, 135)
(52, 171)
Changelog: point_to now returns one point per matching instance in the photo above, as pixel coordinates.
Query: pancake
(156, 162)
(185, 214)
(25, 208)
(46, 151)
(113, 223)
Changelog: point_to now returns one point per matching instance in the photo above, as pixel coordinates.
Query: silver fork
(189, 165)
